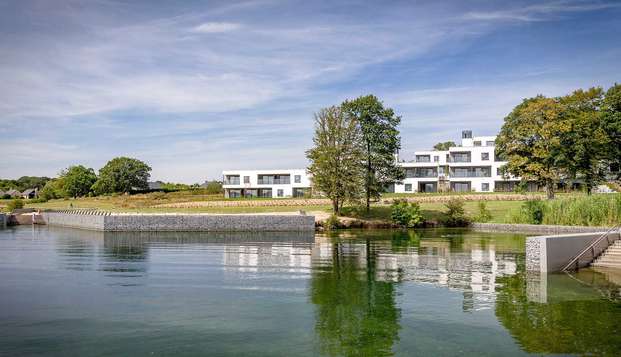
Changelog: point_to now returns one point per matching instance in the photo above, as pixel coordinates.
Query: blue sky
(196, 87)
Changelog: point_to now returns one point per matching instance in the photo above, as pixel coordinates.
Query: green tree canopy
(380, 143)
(443, 146)
(122, 174)
(611, 122)
(78, 180)
(531, 141)
(335, 159)
(585, 145)
(54, 188)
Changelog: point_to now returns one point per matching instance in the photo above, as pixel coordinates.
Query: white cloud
(216, 27)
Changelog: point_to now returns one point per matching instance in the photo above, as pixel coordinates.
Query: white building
(265, 183)
(471, 166)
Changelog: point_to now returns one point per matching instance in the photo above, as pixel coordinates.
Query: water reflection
(428, 292)
(561, 314)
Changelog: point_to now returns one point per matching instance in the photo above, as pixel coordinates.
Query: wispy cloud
(194, 89)
(538, 12)
(216, 27)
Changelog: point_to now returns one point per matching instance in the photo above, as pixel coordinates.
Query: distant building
(266, 183)
(30, 193)
(155, 185)
(472, 166)
(13, 193)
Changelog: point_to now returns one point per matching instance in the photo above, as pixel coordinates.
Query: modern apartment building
(471, 166)
(265, 183)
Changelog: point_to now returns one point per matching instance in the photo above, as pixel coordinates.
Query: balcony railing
(423, 159)
(272, 181)
(471, 174)
(231, 181)
(459, 159)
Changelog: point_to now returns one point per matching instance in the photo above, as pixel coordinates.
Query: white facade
(472, 166)
(265, 183)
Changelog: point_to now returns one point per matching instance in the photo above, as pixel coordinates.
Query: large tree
(335, 158)
(530, 140)
(122, 174)
(443, 146)
(584, 145)
(78, 180)
(611, 122)
(380, 143)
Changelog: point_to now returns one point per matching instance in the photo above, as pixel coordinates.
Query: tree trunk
(368, 188)
(550, 189)
(335, 207)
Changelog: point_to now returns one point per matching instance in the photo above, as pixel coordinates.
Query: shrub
(484, 215)
(406, 214)
(455, 216)
(15, 204)
(332, 222)
(533, 210)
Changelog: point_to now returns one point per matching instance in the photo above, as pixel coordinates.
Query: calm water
(71, 292)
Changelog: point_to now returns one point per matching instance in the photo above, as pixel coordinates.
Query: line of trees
(577, 136)
(119, 175)
(353, 157)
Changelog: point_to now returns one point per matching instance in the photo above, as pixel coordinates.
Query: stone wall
(535, 228)
(181, 222)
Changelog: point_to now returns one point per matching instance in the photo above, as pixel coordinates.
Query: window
(280, 193)
(485, 186)
(460, 157)
(477, 143)
(231, 180)
(485, 156)
(436, 158)
(273, 179)
(246, 179)
(484, 171)
(498, 171)
(423, 158)
(297, 178)
(408, 187)
(490, 143)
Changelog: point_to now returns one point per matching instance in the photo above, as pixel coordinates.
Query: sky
(197, 87)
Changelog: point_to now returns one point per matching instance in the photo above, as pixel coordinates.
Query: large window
(460, 186)
(413, 172)
(265, 192)
(280, 192)
(460, 157)
(231, 180)
(274, 179)
(234, 193)
(490, 143)
(423, 158)
(299, 192)
(484, 171)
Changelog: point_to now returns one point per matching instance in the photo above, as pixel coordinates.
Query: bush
(406, 214)
(332, 222)
(484, 215)
(533, 211)
(455, 216)
(15, 204)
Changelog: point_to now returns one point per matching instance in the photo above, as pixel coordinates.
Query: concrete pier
(126, 222)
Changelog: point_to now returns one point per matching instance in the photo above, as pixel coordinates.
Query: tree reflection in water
(355, 313)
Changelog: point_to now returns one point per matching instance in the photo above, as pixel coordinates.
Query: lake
(373, 293)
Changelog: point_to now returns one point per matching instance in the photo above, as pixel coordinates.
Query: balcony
(471, 172)
(423, 158)
(274, 179)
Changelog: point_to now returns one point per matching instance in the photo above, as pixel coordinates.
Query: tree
(444, 145)
(213, 187)
(530, 140)
(611, 123)
(585, 144)
(335, 159)
(78, 180)
(380, 143)
(122, 174)
(53, 189)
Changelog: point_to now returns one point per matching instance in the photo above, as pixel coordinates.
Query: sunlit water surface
(431, 292)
